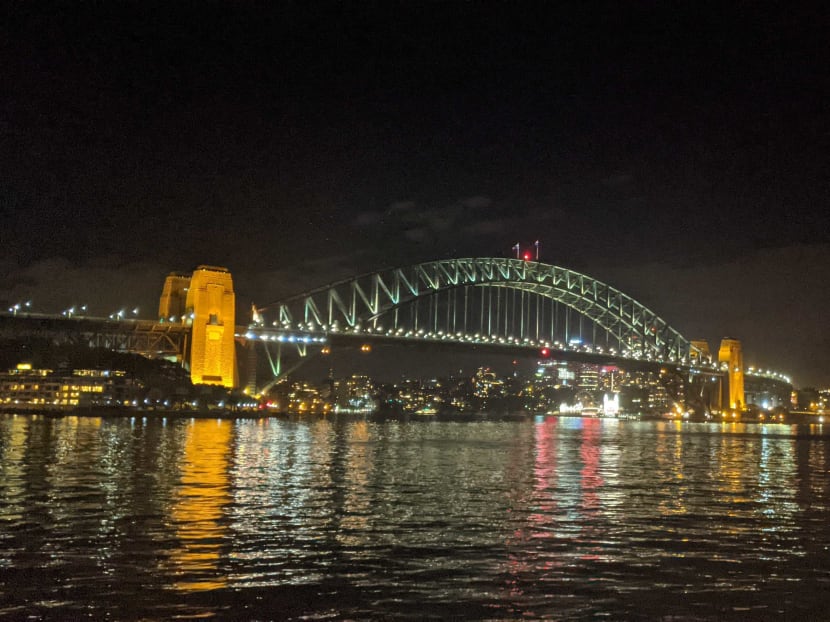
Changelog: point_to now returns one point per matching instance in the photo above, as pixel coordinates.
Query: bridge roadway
(147, 337)
(168, 340)
(355, 339)
(702, 381)
(155, 338)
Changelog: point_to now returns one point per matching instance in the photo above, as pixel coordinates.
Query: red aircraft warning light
(526, 255)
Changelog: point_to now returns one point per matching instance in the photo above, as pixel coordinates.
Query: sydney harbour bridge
(492, 304)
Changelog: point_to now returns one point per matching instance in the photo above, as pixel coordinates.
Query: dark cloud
(417, 234)
(402, 207)
(617, 179)
(477, 202)
(486, 227)
(417, 222)
(367, 219)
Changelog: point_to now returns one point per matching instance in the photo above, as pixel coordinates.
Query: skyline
(675, 153)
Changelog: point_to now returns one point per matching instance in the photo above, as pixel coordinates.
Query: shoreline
(105, 412)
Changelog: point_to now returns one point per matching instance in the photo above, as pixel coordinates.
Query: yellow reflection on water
(737, 459)
(198, 507)
(14, 437)
(358, 501)
(670, 459)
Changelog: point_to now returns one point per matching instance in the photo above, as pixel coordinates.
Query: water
(348, 518)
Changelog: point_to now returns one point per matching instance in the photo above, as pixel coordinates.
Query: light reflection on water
(348, 518)
(198, 506)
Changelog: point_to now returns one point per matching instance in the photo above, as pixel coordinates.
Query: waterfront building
(413, 395)
(28, 388)
(300, 398)
(354, 394)
(658, 398)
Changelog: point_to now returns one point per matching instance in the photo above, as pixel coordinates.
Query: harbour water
(354, 518)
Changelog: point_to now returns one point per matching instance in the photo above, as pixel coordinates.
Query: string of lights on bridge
(283, 335)
(545, 348)
(75, 311)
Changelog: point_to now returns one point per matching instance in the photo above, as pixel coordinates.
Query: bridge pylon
(172, 303)
(210, 311)
(730, 353)
(699, 352)
(205, 302)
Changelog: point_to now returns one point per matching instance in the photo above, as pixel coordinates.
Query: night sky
(678, 151)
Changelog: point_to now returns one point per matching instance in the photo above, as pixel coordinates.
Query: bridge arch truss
(493, 300)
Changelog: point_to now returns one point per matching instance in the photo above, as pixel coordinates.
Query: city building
(487, 384)
(27, 388)
(588, 377)
(354, 394)
(298, 398)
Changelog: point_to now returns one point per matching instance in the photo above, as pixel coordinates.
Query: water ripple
(343, 518)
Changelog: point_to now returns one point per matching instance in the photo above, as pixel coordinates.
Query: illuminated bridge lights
(502, 296)
(283, 338)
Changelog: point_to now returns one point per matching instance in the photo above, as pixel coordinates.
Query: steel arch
(364, 298)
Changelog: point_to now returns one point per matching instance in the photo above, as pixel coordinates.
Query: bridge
(500, 304)
(482, 300)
